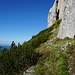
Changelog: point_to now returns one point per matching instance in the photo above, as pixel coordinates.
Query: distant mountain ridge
(8, 47)
(2, 47)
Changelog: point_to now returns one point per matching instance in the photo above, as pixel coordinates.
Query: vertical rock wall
(65, 10)
(52, 15)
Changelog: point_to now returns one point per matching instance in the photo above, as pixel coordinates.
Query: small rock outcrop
(29, 71)
(65, 10)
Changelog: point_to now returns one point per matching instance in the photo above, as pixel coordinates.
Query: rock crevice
(65, 10)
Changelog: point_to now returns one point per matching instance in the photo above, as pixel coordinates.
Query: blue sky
(21, 19)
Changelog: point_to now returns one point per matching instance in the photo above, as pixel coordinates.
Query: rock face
(65, 10)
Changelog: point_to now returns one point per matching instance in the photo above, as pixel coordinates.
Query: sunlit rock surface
(65, 10)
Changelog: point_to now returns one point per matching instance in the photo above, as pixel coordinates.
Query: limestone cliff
(65, 10)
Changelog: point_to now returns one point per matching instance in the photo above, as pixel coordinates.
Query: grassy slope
(53, 60)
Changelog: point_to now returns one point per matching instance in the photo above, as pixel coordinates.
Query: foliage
(21, 56)
(15, 59)
(57, 62)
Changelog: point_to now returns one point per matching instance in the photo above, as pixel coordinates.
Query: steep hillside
(57, 56)
(43, 36)
(43, 54)
(21, 57)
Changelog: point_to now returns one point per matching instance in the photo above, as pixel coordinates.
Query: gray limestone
(65, 10)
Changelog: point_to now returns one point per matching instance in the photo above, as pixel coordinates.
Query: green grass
(52, 60)
(57, 60)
